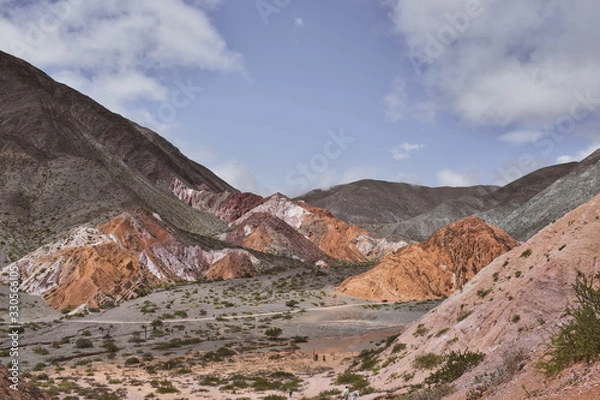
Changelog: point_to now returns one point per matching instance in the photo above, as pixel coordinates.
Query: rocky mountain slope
(415, 212)
(371, 202)
(565, 194)
(285, 227)
(124, 258)
(65, 160)
(506, 312)
(435, 268)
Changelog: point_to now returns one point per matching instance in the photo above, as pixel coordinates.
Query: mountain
(65, 160)
(493, 207)
(371, 202)
(565, 194)
(290, 228)
(435, 268)
(507, 312)
(124, 258)
(399, 210)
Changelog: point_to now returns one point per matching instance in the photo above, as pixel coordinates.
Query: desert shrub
(455, 364)
(82, 343)
(40, 350)
(398, 347)
(291, 303)
(526, 253)
(435, 393)
(273, 332)
(351, 379)
(420, 331)
(462, 315)
(274, 397)
(579, 339)
(110, 346)
(427, 361)
(441, 332)
(132, 361)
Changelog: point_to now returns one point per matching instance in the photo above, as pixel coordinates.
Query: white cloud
(580, 155)
(397, 101)
(520, 137)
(402, 151)
(114, 50)
(234, 173)
(298, 22)
(504, 63)
(447, 177)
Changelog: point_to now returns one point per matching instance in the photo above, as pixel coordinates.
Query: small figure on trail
(346, 393)
(290, 394)
(324, 359)
(355, 394)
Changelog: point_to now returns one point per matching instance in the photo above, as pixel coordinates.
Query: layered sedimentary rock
(435, 268)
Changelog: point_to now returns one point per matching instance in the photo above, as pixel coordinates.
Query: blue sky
(291, 95)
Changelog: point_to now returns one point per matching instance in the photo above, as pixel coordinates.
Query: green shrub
(132, 361)
(351, 379)
(398, 347)
(83, 343)
(454, 366)
(579, 339)
(427, 361)
(526, 253)
(462, 315)
(273, 332)
(420, 331)
(40, 350)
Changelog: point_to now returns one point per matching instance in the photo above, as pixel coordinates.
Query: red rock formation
(254, 221)
(120, 259)
(434, 268)
(269, 234)
(234, 264)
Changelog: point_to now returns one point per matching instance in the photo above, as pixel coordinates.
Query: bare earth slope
(435, 268)
(567, 193)
(65, 160)
(507, 312)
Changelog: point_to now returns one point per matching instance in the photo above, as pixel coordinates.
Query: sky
(293, 95)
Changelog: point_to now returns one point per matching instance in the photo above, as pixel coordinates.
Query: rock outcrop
(122, 259)
(508, 311)
(435, 268)
(285, 227)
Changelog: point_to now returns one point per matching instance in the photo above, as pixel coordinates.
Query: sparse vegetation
(526, 253)
(455, 364)
(579, 339)
(427, 361)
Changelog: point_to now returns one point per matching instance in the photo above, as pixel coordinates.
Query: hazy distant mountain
(415, 212)
(372, 202)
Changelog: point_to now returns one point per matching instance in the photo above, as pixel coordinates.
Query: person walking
(355, 394)
(346, 393)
